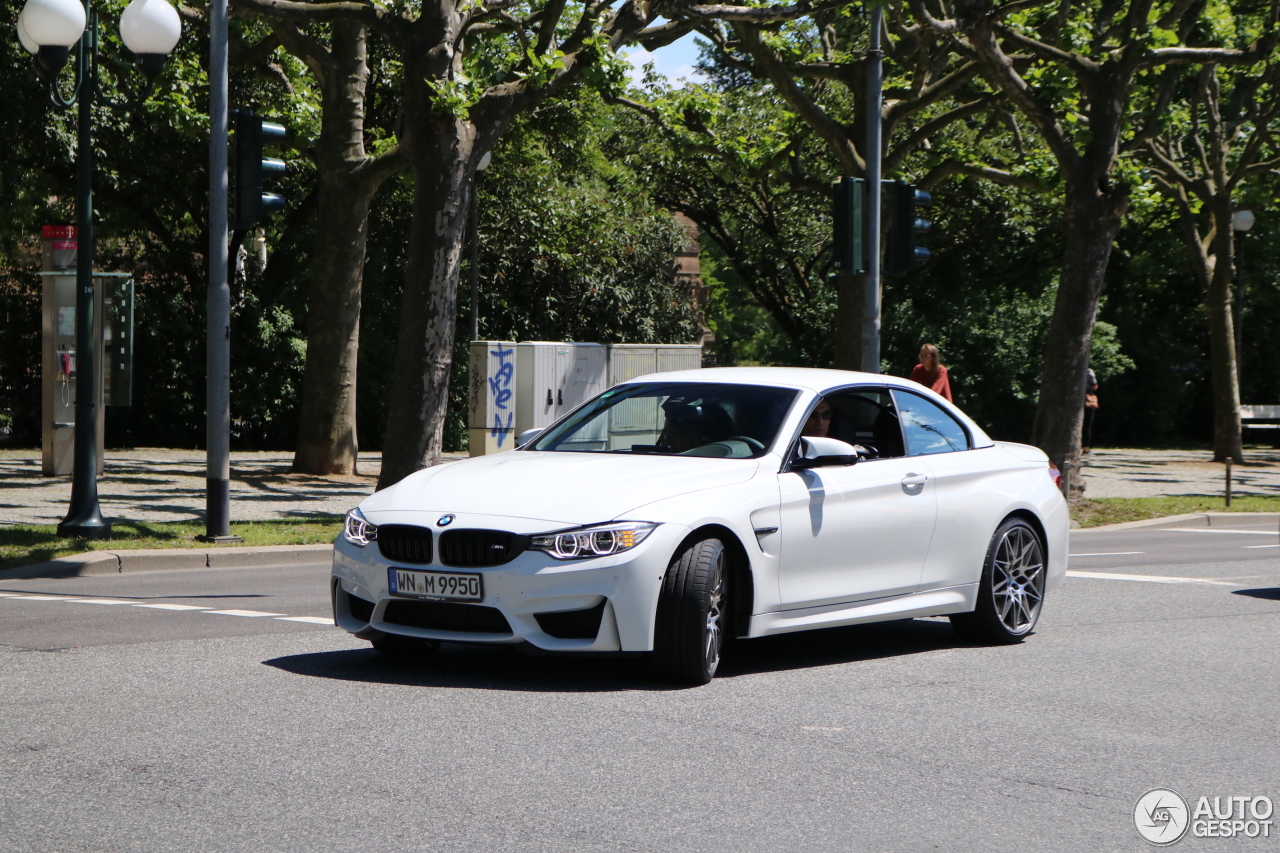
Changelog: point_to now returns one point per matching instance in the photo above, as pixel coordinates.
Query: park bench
(1260, 417)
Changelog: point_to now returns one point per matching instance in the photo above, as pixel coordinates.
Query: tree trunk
(1094, 211)
(1222, 340)
(327, 429)
(347, 181)
(444, 179)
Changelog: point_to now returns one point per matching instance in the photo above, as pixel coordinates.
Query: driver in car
(818, 423)
(687, 426)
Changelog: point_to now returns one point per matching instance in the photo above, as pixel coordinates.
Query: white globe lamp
(54, 23)
(151, 29)
(28, 43)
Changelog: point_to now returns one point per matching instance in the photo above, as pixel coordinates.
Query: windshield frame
(592, 407)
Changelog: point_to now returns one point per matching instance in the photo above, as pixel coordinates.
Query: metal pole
(1228, 481)
(84, 516)
(1240, 306)
(475, 259)
(218, 329)
(871, 281)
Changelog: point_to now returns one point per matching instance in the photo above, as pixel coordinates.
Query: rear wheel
(399, 647)
(689, 631)
(1011, 593)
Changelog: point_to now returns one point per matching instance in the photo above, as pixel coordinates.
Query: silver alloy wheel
(1017, 580)
(714, 636)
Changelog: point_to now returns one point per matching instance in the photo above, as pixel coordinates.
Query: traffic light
(252, 205)
(906, 229)
(847, 224)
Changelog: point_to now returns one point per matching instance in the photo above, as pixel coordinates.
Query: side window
(866, 416)
(928, 427)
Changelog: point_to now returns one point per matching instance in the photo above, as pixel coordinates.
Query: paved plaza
(168, 485)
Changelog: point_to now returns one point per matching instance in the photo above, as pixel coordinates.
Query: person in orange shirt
(930, 373)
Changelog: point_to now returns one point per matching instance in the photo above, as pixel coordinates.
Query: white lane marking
(100, 601)
(1108, 554)
(1218, 530)
(1145, 578)
(308, 620)
(1260, 546)
(249, 613)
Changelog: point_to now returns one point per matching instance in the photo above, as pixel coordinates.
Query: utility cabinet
(529, 385)
(553, 378)
(639, 421)
(491, 398)
(627, 361)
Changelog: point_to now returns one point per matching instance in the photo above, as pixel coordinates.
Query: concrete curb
(166, 559)
(1207, 517)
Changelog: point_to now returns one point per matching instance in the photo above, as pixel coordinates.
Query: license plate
(438, 585)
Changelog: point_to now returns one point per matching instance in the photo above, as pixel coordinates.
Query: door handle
(914, 480)
(559, 396)
(549, 397)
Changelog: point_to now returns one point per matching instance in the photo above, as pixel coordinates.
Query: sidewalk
(168, 485)
(152, 484)
(1116, 473)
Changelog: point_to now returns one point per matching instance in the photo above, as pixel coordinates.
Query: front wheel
(1011, 593)
(689, 631)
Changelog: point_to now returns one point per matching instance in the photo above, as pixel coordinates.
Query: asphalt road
(137, 728)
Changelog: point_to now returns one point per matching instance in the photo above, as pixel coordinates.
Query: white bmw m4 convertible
(678, 509)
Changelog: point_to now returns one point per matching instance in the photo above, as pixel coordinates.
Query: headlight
(599, 540)
(357, 530)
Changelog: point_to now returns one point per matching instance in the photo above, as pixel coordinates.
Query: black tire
(398, 647)
(1011, 592)
(688, 635)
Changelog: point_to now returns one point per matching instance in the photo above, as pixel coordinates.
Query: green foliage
(570, 249)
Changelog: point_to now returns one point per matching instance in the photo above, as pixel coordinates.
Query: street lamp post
(1241, 222)
(49, 29)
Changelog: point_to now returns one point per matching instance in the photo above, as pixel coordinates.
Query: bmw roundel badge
(445, 520)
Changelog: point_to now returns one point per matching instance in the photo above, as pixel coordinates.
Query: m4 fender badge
(445, 520)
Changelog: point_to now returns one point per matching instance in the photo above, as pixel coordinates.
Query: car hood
(563, 488)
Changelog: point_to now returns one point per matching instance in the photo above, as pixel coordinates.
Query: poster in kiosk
(553, 378)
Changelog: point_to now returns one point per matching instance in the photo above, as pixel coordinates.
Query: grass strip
(1095, 513)
(25, 544)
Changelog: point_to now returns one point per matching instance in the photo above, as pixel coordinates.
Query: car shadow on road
(1267, 593)
(510, 668)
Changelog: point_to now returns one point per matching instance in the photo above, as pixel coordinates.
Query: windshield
(675, 419)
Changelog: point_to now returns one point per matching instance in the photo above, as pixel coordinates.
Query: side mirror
(527, 436)
(817, 452)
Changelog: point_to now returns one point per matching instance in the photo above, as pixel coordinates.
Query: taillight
(1055, 475)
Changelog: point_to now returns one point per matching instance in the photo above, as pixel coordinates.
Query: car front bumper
(533, 584)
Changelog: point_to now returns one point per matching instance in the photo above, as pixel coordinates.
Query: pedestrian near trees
(930, 373)
(1090, 409)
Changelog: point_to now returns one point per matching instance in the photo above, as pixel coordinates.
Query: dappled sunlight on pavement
(153, 484)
